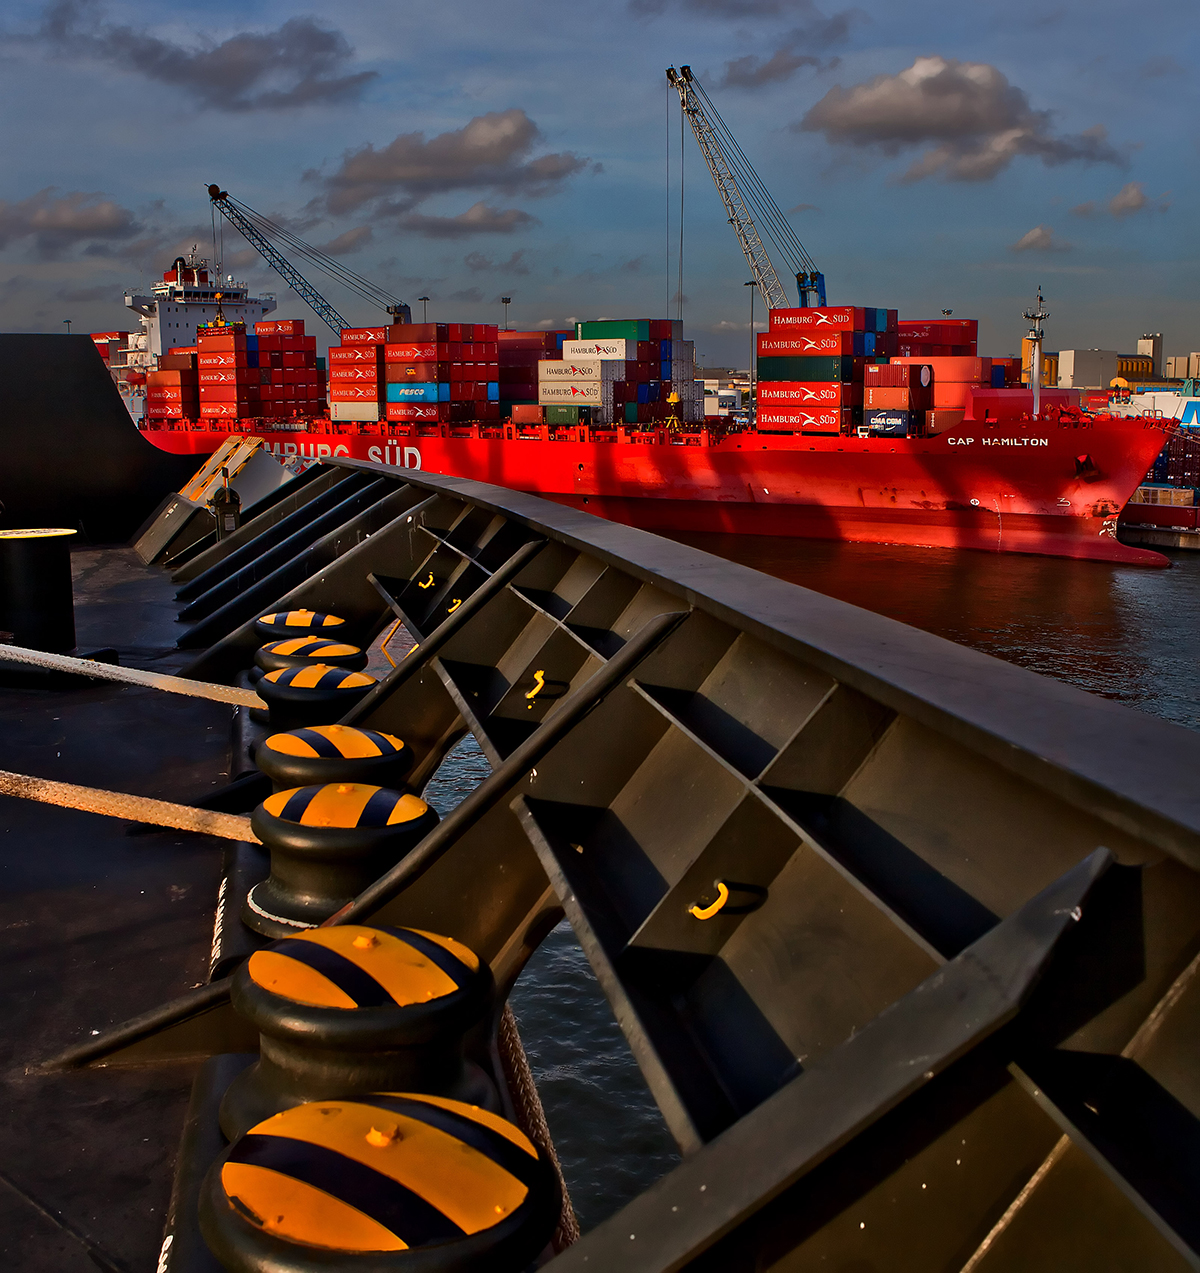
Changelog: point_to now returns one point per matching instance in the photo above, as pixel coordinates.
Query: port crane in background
(747, 200)
(259, 232)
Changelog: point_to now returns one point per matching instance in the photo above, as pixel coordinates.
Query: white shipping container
(608, 350)
(355, 410)
(554, 392)
(580, 369)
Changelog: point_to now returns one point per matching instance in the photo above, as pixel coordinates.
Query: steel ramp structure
(903, 938)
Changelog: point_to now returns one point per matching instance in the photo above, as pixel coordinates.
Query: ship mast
(1037, 317)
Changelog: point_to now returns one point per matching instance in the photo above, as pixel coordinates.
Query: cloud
(479, 218)
(804, 207)
(752, 72)
(472, 295)
(726, 8)
(1040, 239)
(974, 121)
(796, 49)
(86, 294)
(298, 64)
(57, 224)
(488, 153)
(1158, 67)
(352, 241)
(1130, 199)
(477, 263)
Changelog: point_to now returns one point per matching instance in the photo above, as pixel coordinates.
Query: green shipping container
(631, 413)
(562, 415)
(614, 329)
(841, 367)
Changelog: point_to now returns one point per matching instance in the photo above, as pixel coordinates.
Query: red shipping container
(353, 353)
(286, 326)
(961, 370)
(165, 393)
(222, 376)
(809, 393)
(414, 412)
(889, 397)
(364, 335)
(210, 339)
(810, 420)
(846, 319)
(942, 418)
(906, 375)
(353, 393)
(416, 333)
(426, 351)
(226, 410)
(802, 345)
(416, 372)
(528, 413)
(941, 331)
(229, 393)
(514, 340)
(269, 344)
(221, 358)
(171, 376)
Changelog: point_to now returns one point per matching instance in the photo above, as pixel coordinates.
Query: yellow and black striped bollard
(333, 753)
(301, 651)
(313, 695)
(387, 1183)
(353, 1009)
(327, 843)
(293, 623)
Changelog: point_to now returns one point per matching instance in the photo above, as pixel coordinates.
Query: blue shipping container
(664, 371)
(664, 350)
(493, 391)
(402, 391)
(887, 424)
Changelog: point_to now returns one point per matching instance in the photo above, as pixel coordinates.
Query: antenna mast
(1036, 317)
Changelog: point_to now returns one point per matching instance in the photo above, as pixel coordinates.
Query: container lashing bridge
(262, 233)
(751, 210)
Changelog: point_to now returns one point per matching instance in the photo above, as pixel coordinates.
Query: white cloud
(1040, 239)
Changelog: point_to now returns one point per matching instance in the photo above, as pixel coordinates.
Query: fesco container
(822, 367)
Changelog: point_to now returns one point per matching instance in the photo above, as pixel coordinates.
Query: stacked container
(811, 365)
(953, 379)
(173, 391)
(356, 375)
(291, 380)
(938, 338)
(445, 373)
(896, 397)
(624, 372)
(519, 355)
(227, 366)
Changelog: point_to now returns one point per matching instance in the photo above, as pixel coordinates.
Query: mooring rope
(132, 676)
(531, 1118)
(117, 804)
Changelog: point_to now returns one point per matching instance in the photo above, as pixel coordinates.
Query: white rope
(132, 676)
(117, 804)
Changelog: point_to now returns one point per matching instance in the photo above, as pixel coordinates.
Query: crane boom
(731, 171)
(252, 225)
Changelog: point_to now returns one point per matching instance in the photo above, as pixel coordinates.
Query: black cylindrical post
(36, 602)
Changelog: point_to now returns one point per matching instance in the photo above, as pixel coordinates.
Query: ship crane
(259, 231)
(752, 212)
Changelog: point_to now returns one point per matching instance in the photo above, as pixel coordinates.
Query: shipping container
(418, 392)
(824, 368)
(559, 392)
(962, 370)
(804, 419)
(801, 344)
(829, 319)
(364, 335)
(809, 393)
(354, 353)
(530, 413)
(887, 424)
(353, 393)
(887, 397)
(904, 375)
(615, 329)
(354, 373)
(361, 411)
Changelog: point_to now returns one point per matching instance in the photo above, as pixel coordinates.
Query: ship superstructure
(189, 296)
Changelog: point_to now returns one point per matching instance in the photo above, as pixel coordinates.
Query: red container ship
(950, 454)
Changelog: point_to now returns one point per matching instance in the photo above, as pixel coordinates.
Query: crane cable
(315, 256)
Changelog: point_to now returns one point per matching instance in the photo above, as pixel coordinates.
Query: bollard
(327, 843)
(391, 1181)
(351, 1009)
(333, 753)
(304, 650)
(315, 694)
(36, 602)
(286, 623)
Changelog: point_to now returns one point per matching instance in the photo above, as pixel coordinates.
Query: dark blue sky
(937, 155)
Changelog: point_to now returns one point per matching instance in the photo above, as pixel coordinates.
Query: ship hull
(1026, 487)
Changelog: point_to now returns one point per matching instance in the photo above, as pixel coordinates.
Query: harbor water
(1126, 633)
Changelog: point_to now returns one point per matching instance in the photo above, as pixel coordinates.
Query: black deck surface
(97, 925)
